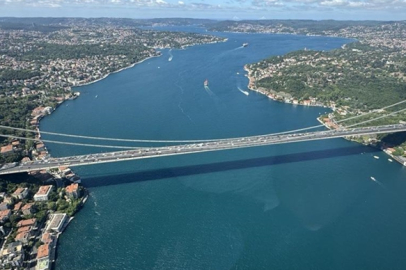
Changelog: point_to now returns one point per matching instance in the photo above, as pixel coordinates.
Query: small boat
(376, 157)
(206, 82)
(245, 44)
(373, 178)
(390, 160)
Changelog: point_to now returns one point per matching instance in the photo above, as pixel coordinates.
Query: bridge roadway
(215, 145)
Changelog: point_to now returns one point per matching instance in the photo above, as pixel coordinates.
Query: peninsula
(361, 77)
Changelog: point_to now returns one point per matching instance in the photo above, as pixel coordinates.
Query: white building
(42, 194)
(56, 223)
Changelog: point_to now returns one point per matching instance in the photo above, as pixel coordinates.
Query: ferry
(206, 82)
(245, 44)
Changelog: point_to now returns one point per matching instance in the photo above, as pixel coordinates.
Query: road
(218, 145)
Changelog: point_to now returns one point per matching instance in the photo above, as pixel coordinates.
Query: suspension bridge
(191, 148)
(183, 147)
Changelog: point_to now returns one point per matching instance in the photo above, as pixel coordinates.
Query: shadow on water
(165, 173)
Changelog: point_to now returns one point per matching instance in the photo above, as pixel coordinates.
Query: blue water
(296, 206)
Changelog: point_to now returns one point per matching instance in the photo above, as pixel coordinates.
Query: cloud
(333, 3)
(259, 6)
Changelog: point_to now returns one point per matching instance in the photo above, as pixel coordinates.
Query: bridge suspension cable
(179, 141)
(72, 143)
(377, 118)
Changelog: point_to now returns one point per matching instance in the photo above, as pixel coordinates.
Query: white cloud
(259, 6)
(333, 3)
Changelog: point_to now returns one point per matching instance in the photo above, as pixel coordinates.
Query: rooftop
(19, 190)
(27, 222)
(72, 188)
(7, 148)
(43, 251)
(56, 221)
(44, 190)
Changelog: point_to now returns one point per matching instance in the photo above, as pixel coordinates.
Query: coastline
(251, 83)
(84, 199)
(116, 71)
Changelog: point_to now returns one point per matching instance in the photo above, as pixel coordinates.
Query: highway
(183, 149)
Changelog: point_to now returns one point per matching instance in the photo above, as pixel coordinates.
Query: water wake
(376, 181)
(183, 112)
(208, 90)
(244, 92)
(170, 55)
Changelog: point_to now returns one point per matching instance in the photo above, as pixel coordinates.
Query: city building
(56, 223)
(42, 193)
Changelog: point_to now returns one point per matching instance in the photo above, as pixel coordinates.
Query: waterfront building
(72, 191)
(43, 257)
(56, 223)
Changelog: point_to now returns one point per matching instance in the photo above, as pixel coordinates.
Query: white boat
(390, 160)
(376, 157)
(373, 178)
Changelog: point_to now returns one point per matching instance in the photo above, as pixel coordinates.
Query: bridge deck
(225, 144)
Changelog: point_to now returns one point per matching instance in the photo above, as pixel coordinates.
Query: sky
(210, 9)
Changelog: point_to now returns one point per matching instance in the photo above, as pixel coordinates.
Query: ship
(245, 44)
(206, 82)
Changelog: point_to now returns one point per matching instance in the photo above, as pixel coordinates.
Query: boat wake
(376, 181)
(183, 112)
(208, 90)
(244, 92)
(170, 56)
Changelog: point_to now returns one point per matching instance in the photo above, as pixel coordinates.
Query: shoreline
(251, 82)
(84, 199)
(116, 71)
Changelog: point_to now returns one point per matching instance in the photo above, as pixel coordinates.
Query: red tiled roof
(5, 212)
(43, 190)
(22, 235)
(27, 206)
(72, 188)
(17, 206)
(43, 251)
(24, 229)
(18, 191)
(26, 222)
(7, 148)
(46, 238)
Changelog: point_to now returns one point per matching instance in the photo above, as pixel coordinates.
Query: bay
(296, 206)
